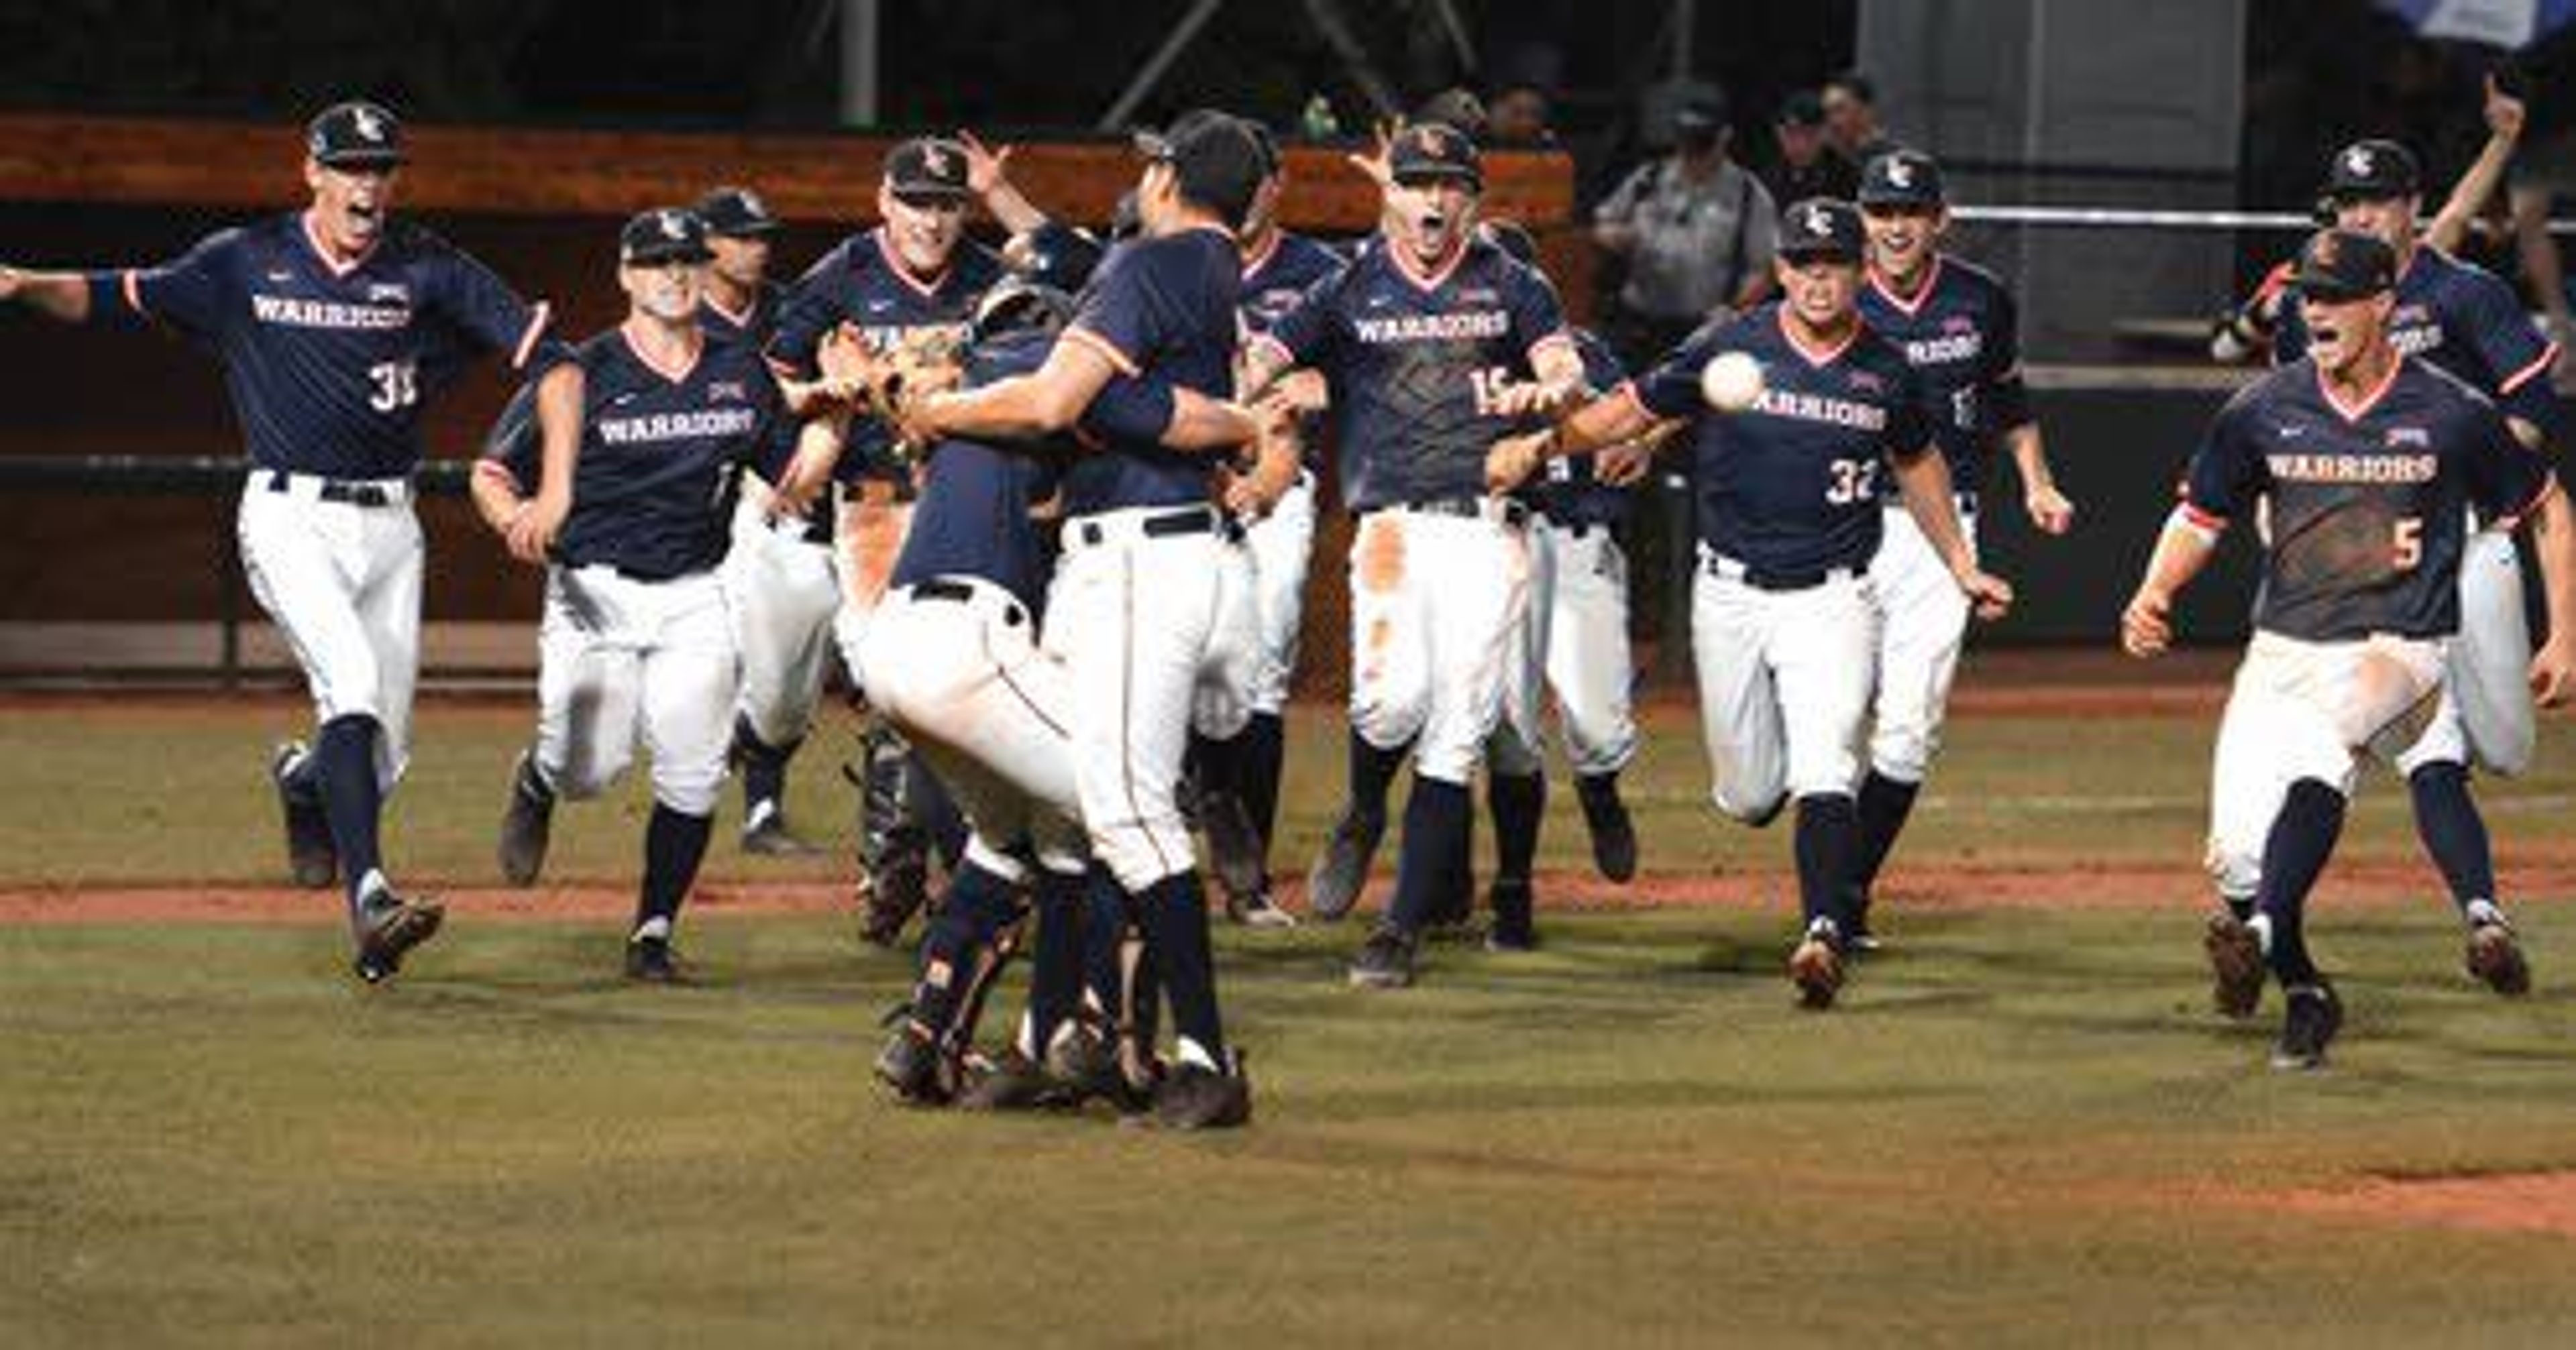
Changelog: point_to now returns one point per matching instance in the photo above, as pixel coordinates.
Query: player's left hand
(1512, 460)
(2050, 511)
(2553, 671)
(1991, 594)
(1378, 163)
(532, 530)
(986, 169)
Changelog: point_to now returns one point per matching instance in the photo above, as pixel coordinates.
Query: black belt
(1187, 520)
(344, 491)
(1235, 529)
(1472, 508)
(958, 593)
(655, 578)
(1767, 579)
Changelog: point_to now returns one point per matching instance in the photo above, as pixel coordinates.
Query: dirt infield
(2523, 1202)
(1953, 887)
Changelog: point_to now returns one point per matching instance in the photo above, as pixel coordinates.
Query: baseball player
(332, 323)
(1956, 325)
(1241, 745)
(956, 661)
(1577, 651)
(914, 278)
(1784, 628)
(1419, 341)
(1134, 594)
(2363, 462)
(2466, 322)
(779, 573)
(636, 641)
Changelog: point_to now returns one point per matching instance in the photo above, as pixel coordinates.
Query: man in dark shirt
(332, 324)
(1131, 606)
(636, 640)
(1802, 163)
(1783, 626)
(2363, 465)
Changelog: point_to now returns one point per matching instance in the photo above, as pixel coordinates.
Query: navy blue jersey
(1161, 310)
(653, 492)
(1963, 335)
(1791, 484)
(2364, 514)
(1567, 491)
(755, 325)
(2464, 320)
(972, 519)
(327, 363)
(861, 283)
(1278, 276)
(1411, 361)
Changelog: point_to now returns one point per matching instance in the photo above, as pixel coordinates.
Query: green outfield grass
(94, 794)
(2021, 1127)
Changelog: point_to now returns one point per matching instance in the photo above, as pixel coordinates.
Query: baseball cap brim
(1817, 250)
(362, 159)
(2332, 290)
(688, 253)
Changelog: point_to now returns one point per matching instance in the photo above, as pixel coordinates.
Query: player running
(2363, 463)
(333, 323)
(1958, 327)
(1783, 623)
(636, 641)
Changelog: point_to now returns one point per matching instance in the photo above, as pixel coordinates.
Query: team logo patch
(1817, 221)
(673, 227)
(2357, 161)
(369, 125)
(1900, 172)
(2405, 436)
(1867, 383)
(934, 161)
(720, 390)
(392, 291)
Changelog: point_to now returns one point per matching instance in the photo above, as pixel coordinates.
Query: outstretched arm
(1924, 478)
(2553, 536)
(56, 295)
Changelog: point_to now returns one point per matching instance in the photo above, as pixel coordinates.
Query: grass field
(2021, 1127)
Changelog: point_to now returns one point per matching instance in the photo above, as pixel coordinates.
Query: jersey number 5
(1854, 480)
(2407, 546)
(397, 385)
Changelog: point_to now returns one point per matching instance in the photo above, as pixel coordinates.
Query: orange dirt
(1956, 887)
(2523, 1202)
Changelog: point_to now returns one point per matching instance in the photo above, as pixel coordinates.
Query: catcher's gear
(894, 848)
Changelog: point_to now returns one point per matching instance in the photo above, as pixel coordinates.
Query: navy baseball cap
(2372, 171)
(1430, 151)
(1821, 227)
(355, 135)
(1705, 111)
(735, 213)
(1901, 177)
(927, 166)
(2341, 265)
(1802, 109)
(1217, 160)
(661, 235)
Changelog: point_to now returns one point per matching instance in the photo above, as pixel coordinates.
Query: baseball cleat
(650, 960)
(1015, 1083)
(390, 926)
(1339, 876)
(1198, 1098)
(2314, 1016)
(1614, 835)
(765, 832)
(1385, 961)
(527, 823)
(1258, 910)
(311, 857)
(1816, 967)
(1087, 1065)
(910, 1065)
(2235, 965)
(2495, 959)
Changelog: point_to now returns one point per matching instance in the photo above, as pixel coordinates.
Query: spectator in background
(1851, 119)
(1696, 231)
(1518, 116)
(1802, 164)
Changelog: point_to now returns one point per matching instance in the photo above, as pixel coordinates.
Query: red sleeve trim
(1108, 350)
